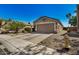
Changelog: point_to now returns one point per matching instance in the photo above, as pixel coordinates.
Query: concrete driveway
(15, 43)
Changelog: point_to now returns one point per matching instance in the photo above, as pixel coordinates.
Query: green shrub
(15, 26)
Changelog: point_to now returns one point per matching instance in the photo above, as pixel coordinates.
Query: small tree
(74, 21)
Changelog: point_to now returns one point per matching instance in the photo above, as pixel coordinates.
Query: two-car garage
(47, 25)
(45, 28)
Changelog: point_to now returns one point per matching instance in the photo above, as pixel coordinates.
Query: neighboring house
(46, 24)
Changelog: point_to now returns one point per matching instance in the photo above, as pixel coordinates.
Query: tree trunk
(78, 18)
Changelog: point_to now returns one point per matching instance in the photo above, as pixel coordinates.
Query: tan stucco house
(46, 24)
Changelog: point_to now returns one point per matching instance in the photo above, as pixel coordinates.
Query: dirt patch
(56, 42)
(53, 42)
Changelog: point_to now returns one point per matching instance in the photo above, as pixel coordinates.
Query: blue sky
(30, 12)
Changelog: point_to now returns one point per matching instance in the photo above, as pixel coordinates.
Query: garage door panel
(45, 27)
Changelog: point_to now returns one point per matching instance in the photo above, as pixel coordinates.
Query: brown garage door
(45, 27)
